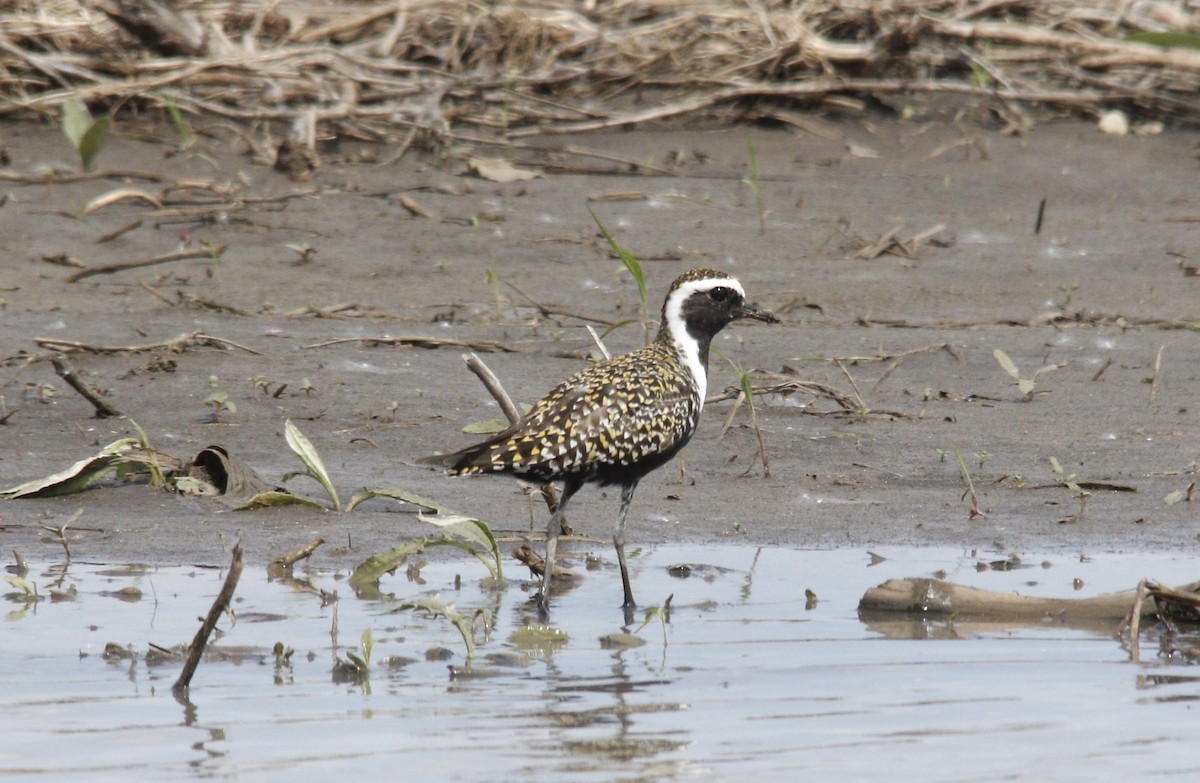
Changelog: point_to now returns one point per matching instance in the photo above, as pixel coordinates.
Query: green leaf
(76, 478)
(75, 120)
(1049, 368)
(20, 584)
(747, 389)
(467, 528)
(277, 498)
(311, 459)
(365, 579)
(1175, 497)
(486, 427)
(544, 638)
(472, 531)
(1054, 463)
(395, 494)
(1007, 363)
(627, 258)
(1169, 39)
(93, 141)
(435, 607)
(755, 181)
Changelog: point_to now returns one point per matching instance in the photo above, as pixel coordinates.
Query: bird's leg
(570, 487)
(619, 542)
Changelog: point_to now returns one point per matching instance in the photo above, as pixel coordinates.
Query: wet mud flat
(345, 303)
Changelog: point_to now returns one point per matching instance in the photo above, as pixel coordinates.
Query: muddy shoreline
(312, 273)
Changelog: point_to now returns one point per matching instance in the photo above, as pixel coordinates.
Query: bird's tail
(473, 459)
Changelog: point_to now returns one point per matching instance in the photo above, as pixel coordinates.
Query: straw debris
(433, 72)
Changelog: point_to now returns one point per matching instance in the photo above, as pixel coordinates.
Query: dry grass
(439, 71)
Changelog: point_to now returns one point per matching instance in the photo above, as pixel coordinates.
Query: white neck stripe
(673, 314)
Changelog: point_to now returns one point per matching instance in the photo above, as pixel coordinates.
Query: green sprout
(632, 265)
(87, 135)
(754, 182)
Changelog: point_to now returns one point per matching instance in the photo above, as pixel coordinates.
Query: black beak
(748, 310)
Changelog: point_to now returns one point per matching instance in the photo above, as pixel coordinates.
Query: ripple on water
(748, 676)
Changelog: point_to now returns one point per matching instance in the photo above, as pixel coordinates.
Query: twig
(417, 209)
(177, 344)
(289, 559)
(1157, 369)
(181, 255)
(550, 310)
(492, 384)
(221, 604)
(489, 346)
(125, 229)
(83, 176)
(966, 474)
(599, 343)
(862, 404)
(104, 409)
(1134, 621)
(513, 414)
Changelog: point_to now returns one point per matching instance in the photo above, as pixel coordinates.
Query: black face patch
(708, 312)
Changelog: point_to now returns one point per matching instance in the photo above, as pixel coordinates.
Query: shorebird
(614, 422)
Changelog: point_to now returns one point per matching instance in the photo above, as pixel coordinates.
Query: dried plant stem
(182, 255)
(1157, 370)
(294, 556)
(65, 371)
(513, 414)
(196, 649)
(178, 344)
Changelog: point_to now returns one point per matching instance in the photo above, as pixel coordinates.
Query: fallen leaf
(76, 478)
(500, 170)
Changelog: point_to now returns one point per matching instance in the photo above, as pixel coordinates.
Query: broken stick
(492, 384)
(296, 555)
(104, 409)
(196, 649)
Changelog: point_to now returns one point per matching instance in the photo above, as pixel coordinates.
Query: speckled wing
(611, 415)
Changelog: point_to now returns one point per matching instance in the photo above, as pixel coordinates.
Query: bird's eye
(720, 294)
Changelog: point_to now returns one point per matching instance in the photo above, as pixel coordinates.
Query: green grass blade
(276, 498)
(626, 257)
(1168, 39)
(93, 141)
(181, 126)
(75, 120)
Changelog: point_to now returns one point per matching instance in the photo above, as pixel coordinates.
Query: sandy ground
(1106, 288)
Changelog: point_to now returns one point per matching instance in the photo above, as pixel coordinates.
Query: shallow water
(752, 679)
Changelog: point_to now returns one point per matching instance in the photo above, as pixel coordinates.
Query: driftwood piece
(935, 598)
(296, 555)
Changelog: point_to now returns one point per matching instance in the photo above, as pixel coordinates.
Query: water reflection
(763, 666)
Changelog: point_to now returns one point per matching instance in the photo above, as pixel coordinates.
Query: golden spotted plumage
(599, 422)
(614, 422)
